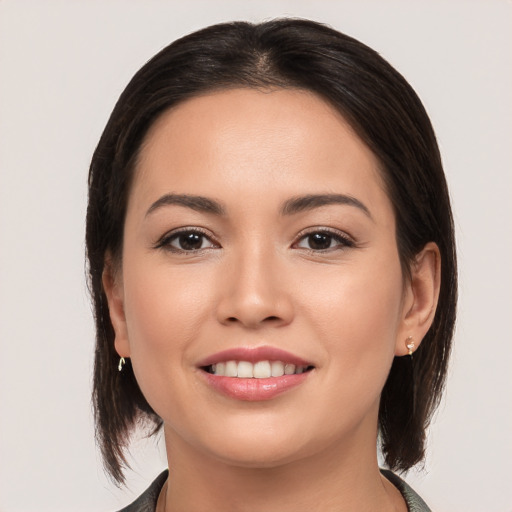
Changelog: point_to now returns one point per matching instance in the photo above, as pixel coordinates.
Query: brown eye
(186, 241)
(319, 241)
(323, 241)
(189, 241)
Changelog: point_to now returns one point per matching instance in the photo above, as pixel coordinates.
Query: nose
(255, 291)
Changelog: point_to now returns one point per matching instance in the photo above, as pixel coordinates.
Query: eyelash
(343, 241)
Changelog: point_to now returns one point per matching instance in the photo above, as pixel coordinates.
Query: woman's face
(260, 241)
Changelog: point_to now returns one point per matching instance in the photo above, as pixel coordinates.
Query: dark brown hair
(388, 116)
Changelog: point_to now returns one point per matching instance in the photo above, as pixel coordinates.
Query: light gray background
(63, 65)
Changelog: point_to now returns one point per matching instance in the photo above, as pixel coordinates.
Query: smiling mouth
(257, 370)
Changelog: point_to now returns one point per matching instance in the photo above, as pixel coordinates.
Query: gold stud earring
(409, 343)
(122, 362)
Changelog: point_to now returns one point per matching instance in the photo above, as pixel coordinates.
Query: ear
(420, 298)
(113, 286)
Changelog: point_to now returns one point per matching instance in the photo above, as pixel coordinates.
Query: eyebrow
(197, 203)
(310, 202)
(290, 207)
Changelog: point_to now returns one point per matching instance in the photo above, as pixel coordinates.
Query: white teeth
(259, 370)
(231, 369)
(262, 370)
(245, 370)
(277, 368)
(289, 369)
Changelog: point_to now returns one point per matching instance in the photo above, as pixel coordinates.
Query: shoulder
(413, 500)
(146, 502)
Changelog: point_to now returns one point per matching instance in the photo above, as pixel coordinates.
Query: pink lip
(253, 389)
(253, 355)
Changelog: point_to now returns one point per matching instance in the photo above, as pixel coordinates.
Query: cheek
(161, 303)
(357, 313)
(355, 319)
(359, 300)
(164, 313)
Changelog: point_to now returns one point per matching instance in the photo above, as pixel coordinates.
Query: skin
(257, 279)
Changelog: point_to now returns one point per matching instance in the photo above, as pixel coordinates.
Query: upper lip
(253, 355)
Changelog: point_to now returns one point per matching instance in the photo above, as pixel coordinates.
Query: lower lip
(254, 390)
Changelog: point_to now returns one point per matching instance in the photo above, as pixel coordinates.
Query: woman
(272, 263)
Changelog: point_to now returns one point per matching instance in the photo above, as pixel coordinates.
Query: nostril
(234, 319)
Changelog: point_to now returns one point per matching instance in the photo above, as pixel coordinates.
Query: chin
(254, 457)
(265, 447)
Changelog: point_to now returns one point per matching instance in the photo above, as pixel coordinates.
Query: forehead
(243, 138)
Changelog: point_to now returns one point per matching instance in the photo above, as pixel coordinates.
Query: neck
(345, 479)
